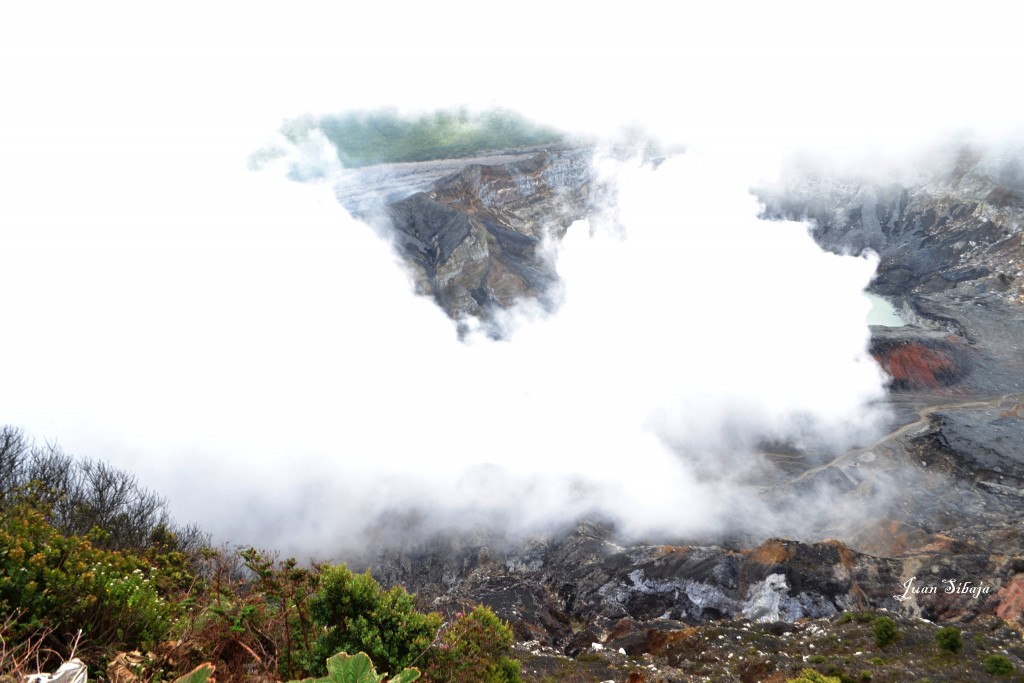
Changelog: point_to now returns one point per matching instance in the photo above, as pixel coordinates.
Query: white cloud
(222, 331)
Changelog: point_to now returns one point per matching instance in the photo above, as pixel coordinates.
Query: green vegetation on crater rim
(92, 566)
(386, 136)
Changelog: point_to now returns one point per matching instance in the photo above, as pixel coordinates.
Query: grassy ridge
(385, 136)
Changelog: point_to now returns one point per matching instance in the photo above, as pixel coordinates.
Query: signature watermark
(947, 586)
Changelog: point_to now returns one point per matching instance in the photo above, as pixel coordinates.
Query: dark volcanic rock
(984, 445)
(584, 587)
(474, 236)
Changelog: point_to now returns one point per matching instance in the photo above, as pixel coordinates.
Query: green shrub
(948, 639)
(360, 616)
(885, 631)
(816, 659)
(812, 676)
(53, 581)
(249, 602)
(474, 647)
(998, 665)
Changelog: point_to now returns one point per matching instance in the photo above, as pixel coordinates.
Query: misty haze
(662, 327)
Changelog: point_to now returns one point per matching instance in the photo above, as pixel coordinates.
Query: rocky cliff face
(473, 231)
(583, 587)
(952, 252)
(952, 259)
(956, 229)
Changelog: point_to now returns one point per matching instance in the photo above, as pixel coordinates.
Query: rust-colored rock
(1010, 600)
(771, 552)
(923, 364)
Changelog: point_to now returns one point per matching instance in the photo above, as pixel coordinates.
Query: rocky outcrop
(473, 231)
(584, 587)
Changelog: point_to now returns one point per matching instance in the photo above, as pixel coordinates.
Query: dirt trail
(924, 415)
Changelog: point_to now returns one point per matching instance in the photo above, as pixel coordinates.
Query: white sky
(171, 311)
